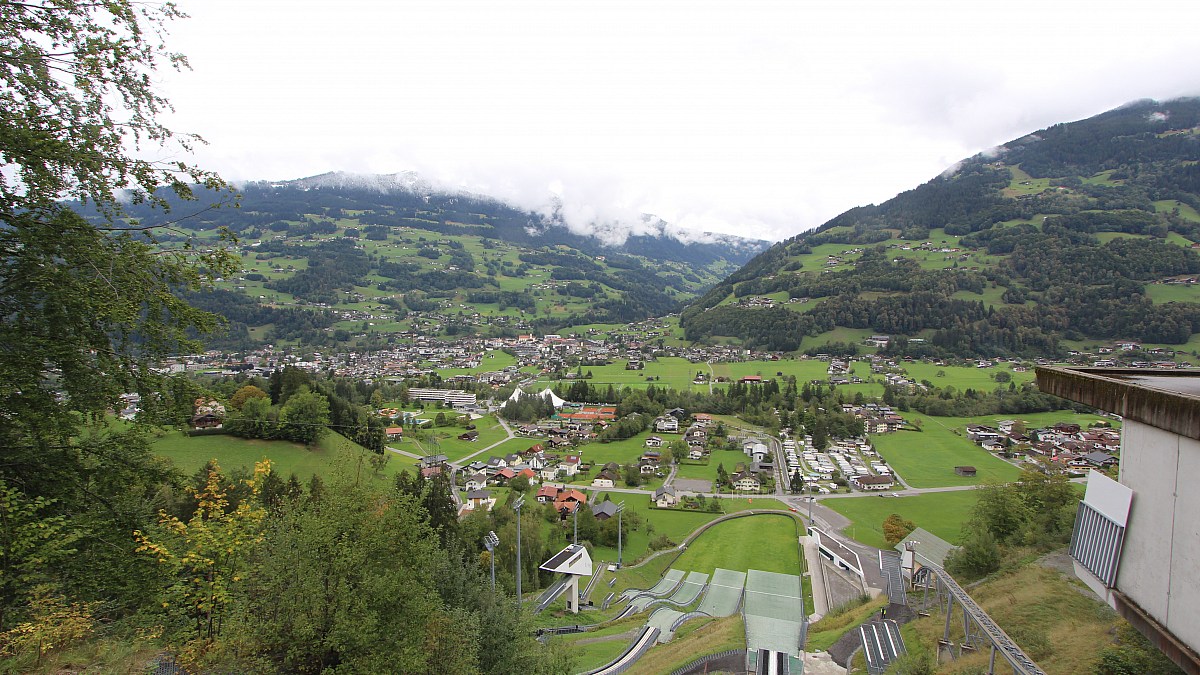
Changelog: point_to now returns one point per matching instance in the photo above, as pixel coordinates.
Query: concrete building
(1136, 541)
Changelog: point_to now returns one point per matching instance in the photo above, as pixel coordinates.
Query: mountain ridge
(1073, 189)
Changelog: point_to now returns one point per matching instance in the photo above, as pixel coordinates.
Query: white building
(1136, 543)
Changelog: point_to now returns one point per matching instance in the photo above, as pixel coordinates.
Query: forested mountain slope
(342, 259)
(1080, 232)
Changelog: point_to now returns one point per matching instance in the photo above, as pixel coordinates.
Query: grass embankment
(693, 640)
(189, 453)
(728, 546)
(596, 648)
(830, 629)
(1060, 625)
(941, 513)
(677, 524)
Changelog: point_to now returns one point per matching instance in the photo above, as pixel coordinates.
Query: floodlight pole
(620, 510)
(808, 483)
(576, 522)
(490, 540)
(517, 507)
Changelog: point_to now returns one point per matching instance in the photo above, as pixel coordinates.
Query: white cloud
(757, 118)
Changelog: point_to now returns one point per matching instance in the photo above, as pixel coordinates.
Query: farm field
(1161, 293)
(492, 361)
(964, 377)
(802, 369)
(927, 458)
(667, 372)
(727, 545)
(942, 513)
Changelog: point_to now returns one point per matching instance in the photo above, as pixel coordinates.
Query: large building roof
(929, 548)
(1167, 399)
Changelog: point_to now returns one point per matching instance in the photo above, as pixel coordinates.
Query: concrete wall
(1160, 564)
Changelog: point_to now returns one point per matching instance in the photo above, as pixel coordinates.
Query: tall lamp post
(808, 484)
(620, 510)
(490, 540)
(517, 507)
(576, 540)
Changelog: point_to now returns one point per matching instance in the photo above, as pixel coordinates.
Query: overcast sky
(756, 118)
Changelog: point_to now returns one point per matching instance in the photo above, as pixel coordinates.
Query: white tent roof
(554, 400)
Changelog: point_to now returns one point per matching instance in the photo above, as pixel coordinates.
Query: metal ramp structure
(773, 612)
(690, 589)
(979, 630)
(881, 643)
(551, 594)
(645, 640)
(889, 568)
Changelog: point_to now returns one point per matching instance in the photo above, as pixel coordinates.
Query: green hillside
(1083, 231)
(339, 259)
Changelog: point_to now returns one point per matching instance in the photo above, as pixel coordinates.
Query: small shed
(964, 470)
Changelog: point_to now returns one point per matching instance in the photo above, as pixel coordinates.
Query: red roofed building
(591, 414)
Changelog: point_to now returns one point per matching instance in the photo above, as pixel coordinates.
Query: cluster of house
(534, 464)
(695, 435)
(209, 414)
(1065, 443)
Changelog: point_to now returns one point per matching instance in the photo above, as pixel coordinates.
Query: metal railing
(988, 632)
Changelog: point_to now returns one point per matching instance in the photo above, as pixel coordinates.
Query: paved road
(509, 435)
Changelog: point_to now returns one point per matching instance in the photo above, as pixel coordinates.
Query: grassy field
(1161, 293)
(1061, 628)
(445, 441)
(189, 453)
(697, 471)
(941, 513)
(693, 640)
(677, 524)
(964, 377)
(927, 458)
(668, 371)
(622, 452)
(728, 545)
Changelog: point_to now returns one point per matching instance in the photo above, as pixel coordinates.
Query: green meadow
(941, 513)
(331, 453)
(927, 458)
(768, 543)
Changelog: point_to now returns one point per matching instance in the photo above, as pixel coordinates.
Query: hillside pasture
(190, 453)
(1162, 293)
